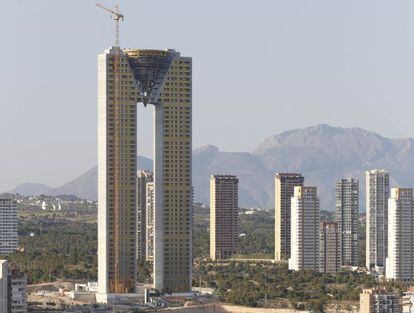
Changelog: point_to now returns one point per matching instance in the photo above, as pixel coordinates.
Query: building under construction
(161, 78)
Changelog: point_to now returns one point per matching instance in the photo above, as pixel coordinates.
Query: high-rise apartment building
(224, 209)
(8, 225)
(347, 211)
(377, 194)
(304, 252)
(284, 189)
(400, 259)
(162, 78)
(4, 294)
(17, 291)
(330, 259)
(143, 177)
(149, 250)
(13, 289)
(378, 300)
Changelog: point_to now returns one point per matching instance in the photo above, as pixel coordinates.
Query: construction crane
(117, 17)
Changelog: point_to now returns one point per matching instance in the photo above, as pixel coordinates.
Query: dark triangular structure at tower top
(150, 69)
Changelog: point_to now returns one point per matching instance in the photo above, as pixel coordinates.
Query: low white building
(408, 301)
(84, 292)
(378, 300)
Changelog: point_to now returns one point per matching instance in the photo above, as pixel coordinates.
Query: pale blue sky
(260, 67)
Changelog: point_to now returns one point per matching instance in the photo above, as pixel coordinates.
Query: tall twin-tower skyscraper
(162, 78)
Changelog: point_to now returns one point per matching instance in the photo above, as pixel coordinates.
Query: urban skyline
(148, 241)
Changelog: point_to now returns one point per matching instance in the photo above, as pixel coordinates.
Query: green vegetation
(64, 247)
(258, 239)
(59, 249)
(201, 237)
(250, 283)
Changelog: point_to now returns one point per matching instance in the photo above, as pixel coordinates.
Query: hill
(322, 153)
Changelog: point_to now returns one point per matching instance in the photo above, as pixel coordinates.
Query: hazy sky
(260, 67)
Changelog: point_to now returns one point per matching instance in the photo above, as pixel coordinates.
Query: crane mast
(117, 17)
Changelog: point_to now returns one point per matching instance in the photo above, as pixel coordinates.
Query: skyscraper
(284, 189)
(224, 209)
(149, 250)
(330, 258)
(347, 202)
(400, 259)
(143, 177)
(8, 225)
(377, 194)
(304, 253)
(161, 78)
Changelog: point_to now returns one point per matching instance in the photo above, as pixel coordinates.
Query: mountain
(254, 177)
(83, 186)
(32, 189)
(323, 154)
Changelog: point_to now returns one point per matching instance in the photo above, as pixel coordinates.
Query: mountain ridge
(322, 153)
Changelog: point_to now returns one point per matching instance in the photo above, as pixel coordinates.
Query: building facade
(8, 225)
(377, 194)
(149, 251)
(143, 177)
(13, 289)
(400, 259)
(18, 291)
(408, 301)
(4, 294)
(379, 301)
(330, 258)
(162, 78)
(284, 190)
(304, 229)
(224, 209)
(347, 215)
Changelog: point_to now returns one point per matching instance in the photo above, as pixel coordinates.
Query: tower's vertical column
(159, 197)
(103, 104)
